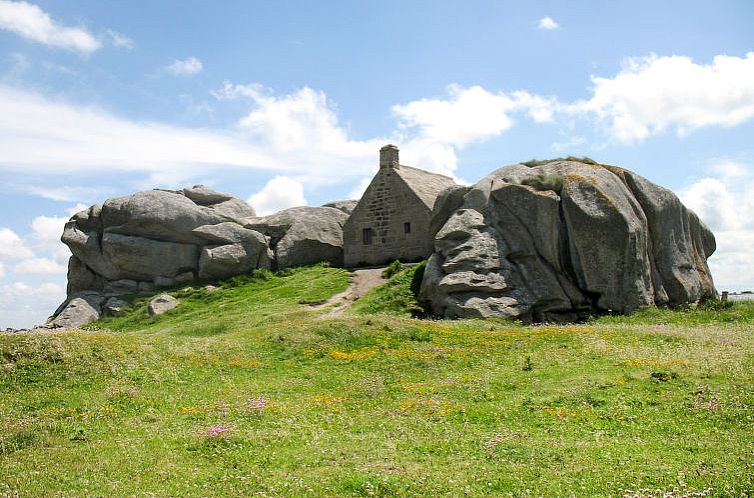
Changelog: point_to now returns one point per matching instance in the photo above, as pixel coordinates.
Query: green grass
(375, 404)
(398, 295)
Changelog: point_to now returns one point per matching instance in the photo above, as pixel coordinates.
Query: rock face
(161, 304)
(303, 235)
(114, 306)
(157, 238)
(556, 241)
(81, 308)
(346, 206)
(161, 238)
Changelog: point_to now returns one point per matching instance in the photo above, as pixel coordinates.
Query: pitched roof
(427, 186)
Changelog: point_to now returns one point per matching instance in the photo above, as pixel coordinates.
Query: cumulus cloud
(301, 129)
(22, 304)
(470, 114)
(31, 22)
(654, 94)
(547, 23)
(466, 115)
(2, 270)
(12, 246)
(432, 130)
(48, 229)
(724, 203)
(293, 135)
(40, 266)
(279, 193)
(120, 40)
(38, 253)
(186, 67)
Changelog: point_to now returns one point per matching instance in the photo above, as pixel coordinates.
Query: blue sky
(287, 103)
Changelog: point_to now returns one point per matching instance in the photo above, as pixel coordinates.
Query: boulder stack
(557, 241)
(157, 238)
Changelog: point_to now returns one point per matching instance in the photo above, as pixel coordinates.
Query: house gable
(391, 221)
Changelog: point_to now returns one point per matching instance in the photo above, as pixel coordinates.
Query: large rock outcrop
(303, 235)
(152, 239)
(557, 241)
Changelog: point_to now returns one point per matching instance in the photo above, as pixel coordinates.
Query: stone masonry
(392, 219)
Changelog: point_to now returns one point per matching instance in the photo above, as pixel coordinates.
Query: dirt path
(363, 280)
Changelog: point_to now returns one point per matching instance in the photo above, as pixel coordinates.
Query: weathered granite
(161, 304)
(131, 245)
(558, 241)
(81, 308)
(303, 235)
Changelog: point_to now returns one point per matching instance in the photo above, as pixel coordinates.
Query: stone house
(392, 219)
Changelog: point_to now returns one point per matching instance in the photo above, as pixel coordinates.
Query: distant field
(248, 391)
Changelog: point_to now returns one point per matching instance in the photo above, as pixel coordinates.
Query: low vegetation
(398, 295)
(539, 162)
(249, 390)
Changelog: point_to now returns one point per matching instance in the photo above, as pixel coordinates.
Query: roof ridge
(423, 171)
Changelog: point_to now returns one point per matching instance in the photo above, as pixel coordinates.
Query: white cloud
(40, 266)
(2, 270)
(548, 23)
(653, 94)
(31, 22)
(301, 129)
(120, 40)
(65, 192)
(12, 246)
(22, 304)
(40, 253)
(186, 67)
(279, 193)
(470, 114)
(295, 135)
(48, 229)
(467, 115)
(433, 129)
(46, 136)
(76, 209)
(360, 188)
(21, 289)
(724, 203)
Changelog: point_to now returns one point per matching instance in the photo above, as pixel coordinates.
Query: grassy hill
(250, 391)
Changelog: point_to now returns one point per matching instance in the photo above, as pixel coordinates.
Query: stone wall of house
(387, 205)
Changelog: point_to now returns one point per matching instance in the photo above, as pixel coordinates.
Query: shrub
(545, 182)
(393, 268)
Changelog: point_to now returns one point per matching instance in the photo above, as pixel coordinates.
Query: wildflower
(216, 431)
(255, 404)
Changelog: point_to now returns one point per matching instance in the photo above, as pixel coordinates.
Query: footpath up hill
(253, 390)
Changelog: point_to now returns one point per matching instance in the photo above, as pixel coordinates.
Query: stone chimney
(389, 157)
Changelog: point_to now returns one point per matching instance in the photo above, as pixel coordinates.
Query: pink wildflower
(256, 404)
(217, 431)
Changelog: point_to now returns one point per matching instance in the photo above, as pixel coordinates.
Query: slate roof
(427, 186)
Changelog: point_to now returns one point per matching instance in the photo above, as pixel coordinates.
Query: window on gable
(367, 235)
(407, 227)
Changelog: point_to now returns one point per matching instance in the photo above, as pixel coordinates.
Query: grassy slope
(397, 296)
(374, 405)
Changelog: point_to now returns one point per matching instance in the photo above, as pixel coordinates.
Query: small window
(366, 235)
(407, 227)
